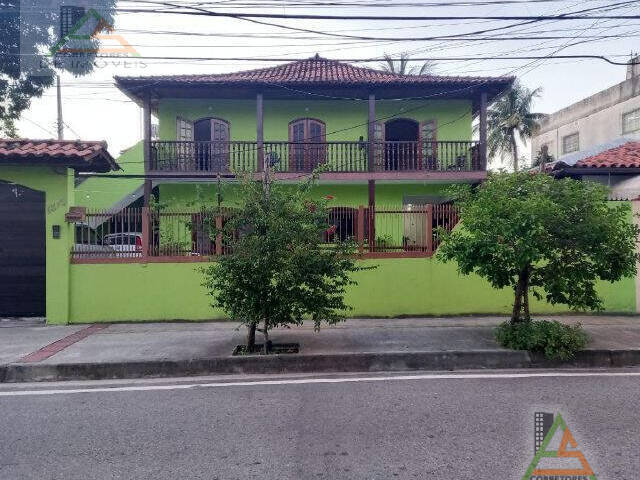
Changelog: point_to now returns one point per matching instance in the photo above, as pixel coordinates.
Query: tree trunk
(521, 299)
(514, 148)
(267, 344)
(525, 296)
(251, 337)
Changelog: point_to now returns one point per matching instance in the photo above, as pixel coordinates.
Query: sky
(94, 109)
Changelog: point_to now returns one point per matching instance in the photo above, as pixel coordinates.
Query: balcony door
(401, 147)
(308, 144)
(212, 144)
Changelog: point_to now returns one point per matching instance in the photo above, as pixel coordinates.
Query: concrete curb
(333, 363)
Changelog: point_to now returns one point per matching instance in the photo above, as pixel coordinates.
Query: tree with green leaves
(510, 120)
(403, 66)
(28, 31)
(534, 233)
(280, 271)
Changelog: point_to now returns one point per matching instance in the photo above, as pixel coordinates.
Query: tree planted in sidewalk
(280, 271)
(535, 234)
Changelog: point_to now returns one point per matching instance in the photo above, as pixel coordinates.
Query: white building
(599, 119)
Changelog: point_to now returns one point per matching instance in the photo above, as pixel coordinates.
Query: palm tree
(402, 66)
(510, 119)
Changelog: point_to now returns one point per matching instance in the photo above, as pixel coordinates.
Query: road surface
(437, 426)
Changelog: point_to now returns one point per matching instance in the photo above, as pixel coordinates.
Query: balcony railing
(146, 235)
(335, 157)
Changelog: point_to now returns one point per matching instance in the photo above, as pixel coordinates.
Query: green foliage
(554, 339)
(403, 66)
(556, 237)
(510, 119)
(27, 30)
(280, 271)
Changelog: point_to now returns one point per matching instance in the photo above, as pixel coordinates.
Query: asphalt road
(456, 426)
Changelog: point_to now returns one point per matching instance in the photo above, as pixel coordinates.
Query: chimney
(633, 67)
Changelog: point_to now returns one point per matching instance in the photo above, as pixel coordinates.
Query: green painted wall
(104, 192)
(138, 292)
(57, 185)
(344, 119)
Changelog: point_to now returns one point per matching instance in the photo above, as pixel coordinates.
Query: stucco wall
(597, 119)
(138, 292)
(345, 119)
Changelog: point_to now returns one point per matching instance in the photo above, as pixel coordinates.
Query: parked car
(89, 244)
(125, 244)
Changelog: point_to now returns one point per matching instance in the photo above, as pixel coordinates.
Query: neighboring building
(615, 164)
(598, 119)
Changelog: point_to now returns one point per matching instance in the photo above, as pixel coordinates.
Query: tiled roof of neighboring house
(315, 71)
(624, 156)
(78, 154)
(619, 150)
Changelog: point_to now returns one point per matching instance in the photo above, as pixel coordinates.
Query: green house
(128, 245)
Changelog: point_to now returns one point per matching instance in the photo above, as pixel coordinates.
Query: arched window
(212, 144)
(307, 149)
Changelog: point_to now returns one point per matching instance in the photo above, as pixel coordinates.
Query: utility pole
(59, 97)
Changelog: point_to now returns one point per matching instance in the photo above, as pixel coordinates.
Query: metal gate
(22, 251)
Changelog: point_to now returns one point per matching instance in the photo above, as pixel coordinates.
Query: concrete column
(146, 135)
(635, 211)
(483, 130)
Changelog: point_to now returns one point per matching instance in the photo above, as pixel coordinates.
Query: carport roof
(83, 156)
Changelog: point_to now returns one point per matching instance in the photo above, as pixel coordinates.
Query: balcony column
(483, 131)
(146, 136)
(371, 125)
(260, 131)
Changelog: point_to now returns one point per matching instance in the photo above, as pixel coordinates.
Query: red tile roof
(317, 70)
(81, 155)
(624, 156)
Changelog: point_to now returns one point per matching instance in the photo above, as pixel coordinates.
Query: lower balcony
(339, 159)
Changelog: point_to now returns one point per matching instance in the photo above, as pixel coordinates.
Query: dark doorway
(212, 144)
(401, 148)
(22, 251)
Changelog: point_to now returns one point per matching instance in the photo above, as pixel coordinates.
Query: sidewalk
(29, 353)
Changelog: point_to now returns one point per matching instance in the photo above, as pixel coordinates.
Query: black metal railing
(336, 157)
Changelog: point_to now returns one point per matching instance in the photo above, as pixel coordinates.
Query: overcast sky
(95, 110)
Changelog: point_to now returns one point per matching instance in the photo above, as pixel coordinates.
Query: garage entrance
(22, 251)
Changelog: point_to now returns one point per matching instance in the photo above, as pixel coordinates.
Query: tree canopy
(280, 271)
(510, 119)
(28, 30)
(534, 232)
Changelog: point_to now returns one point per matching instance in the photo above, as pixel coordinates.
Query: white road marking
(461, 376)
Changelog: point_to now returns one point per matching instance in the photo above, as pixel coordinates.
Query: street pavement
(136, 342)
(360, 426)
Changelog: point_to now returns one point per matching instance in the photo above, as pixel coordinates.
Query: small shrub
(555, 340)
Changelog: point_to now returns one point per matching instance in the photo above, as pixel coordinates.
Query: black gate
(22, 251)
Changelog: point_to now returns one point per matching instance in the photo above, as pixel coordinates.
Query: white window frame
(184, 129)
(577, 143)
(633, 113)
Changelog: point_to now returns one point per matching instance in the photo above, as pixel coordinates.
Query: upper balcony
(356, 123)
(335, 159)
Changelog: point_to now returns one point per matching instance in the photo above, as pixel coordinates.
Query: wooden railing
(336, 157)
(143, 235)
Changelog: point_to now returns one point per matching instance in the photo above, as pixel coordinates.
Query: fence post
(429, 228)
(360, 234)
(145, 232)
(219, 235)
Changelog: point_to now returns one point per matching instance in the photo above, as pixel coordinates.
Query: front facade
(386, 146)
(608, 115)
